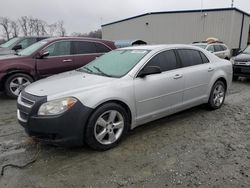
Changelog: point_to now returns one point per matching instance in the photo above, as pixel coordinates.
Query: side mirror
(42, 54)
(148, 70)
(17, 47)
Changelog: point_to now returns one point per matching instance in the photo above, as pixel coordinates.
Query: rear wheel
(15, 83)
(217, 95)
(106, 126)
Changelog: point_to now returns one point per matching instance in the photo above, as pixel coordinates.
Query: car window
(84, 47)
(40, 38)
(101, 48)
(210, 48)
(27, 42)
(204, 58)
(223, 47)
(59, 48)
(165, 60)
(218, 48)
(190, 57)
(11, 43)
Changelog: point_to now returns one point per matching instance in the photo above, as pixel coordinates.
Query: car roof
(160, 47)
(75, 38)
(205, 43)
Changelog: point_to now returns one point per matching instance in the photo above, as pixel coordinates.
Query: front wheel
(15, 83)
(106, 126)
(217, 95)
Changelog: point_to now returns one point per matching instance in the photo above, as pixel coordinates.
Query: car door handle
(210, 69)
(67, 60)
(177, 76)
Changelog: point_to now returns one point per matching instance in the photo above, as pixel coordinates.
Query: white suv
(219, 49)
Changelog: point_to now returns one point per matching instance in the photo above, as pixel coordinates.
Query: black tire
(90, 137)
(211, 102)
(14, 77)
(235, 78)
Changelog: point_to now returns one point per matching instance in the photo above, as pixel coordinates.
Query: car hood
(9, 57)
(242, 57)
(5, 51)
(68, 83)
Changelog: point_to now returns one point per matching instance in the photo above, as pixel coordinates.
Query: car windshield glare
(10, 43)
(116, 63)
(247, 50)
(31, 49)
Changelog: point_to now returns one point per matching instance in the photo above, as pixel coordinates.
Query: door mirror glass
(17, 47)
(148, 70)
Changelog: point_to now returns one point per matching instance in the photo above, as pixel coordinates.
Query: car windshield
(10, 43)
(116, 63)
(247, 50)
(201, 45)
(31, 49)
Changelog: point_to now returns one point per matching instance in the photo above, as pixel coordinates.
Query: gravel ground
(195, 148)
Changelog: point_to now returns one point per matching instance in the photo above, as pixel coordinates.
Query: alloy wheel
(109, 127)
(18, 84)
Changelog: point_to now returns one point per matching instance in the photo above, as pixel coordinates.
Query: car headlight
(56, 107)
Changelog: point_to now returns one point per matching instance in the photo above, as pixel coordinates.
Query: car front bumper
(66, 129)
(240, 70)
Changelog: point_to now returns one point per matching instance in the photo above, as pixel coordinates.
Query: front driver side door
(59, 59)
(156, 95)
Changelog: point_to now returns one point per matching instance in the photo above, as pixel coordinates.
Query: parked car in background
(2, 41)
(48, 57)
(121, 90)
(217, 48)
(18, 43)
(241, 64)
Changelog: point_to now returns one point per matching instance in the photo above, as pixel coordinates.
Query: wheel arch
(121, 103)
(223, 80)
(11, 72)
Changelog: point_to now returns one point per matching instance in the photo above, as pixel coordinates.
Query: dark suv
(48, 57)
(241, 64)
(17, 44)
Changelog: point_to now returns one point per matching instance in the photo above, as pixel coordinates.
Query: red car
(48, 57)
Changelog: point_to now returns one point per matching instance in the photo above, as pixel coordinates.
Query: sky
(87, 15)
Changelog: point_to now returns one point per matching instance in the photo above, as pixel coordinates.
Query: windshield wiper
(86, 68)
(100, 71)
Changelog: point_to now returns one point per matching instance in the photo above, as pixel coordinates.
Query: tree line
(28, 26)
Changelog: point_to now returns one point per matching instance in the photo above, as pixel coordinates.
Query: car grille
(243, 63)
(28, 105)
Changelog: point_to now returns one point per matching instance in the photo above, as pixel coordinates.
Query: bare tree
(23, 22)
(6, 24)
(31, 26)
(15, 28)
(60, 28)
(51, 28)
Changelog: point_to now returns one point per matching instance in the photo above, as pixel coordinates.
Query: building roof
(180, 11)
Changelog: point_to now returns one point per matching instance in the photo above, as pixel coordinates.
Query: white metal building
(229, 25)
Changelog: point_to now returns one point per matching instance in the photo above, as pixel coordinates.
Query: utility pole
(232, 5)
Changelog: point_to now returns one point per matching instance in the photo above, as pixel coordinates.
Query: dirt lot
(195, 148)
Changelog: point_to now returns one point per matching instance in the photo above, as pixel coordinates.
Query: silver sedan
(98, 103)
